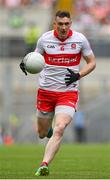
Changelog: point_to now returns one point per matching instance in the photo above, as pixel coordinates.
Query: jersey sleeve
(39, 47)
(86, 49)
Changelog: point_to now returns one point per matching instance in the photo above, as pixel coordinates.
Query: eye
(60, 24)
(67, 23)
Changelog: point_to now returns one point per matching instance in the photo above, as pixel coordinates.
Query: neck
(69, 34)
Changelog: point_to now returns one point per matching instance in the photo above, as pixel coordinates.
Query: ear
(54, 24)
(70, 22)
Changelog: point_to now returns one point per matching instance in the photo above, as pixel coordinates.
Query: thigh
(44, 119)
(43, 123)
(45, 109)
(63, 117)
(45, 101)
(61, 121)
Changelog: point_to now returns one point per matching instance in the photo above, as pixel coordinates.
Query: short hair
(63, 14)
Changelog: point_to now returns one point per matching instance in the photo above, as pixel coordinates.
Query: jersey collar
(69, 35)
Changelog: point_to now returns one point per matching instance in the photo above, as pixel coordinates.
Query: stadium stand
(17, 93)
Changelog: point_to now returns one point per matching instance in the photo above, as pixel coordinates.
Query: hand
(22, 66)
(72, 77)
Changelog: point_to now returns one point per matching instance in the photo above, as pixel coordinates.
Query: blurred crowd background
(21, 24)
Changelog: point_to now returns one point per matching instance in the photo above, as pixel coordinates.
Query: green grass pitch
(73, 161)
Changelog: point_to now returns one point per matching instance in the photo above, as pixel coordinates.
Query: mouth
(63, 33)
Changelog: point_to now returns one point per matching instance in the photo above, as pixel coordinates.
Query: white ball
(34, 62)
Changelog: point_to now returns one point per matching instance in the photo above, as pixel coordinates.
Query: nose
(63, 27)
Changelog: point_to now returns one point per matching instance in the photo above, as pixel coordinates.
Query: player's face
(62, 25)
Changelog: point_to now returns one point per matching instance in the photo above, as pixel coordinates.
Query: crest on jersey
(73, 45)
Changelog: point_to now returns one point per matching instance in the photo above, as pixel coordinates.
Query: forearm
(87, 69)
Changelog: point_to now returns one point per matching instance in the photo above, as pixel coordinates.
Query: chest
(57, 47)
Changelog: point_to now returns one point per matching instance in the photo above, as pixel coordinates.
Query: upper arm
(39, 46)
(89, 59)
(87, 52)
(86, 48)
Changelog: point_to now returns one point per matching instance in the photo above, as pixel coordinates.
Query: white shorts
(59, 109)
(65, 110)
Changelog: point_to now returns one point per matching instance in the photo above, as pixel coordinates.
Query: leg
(45, 113)
(61, 121)
(43, 126)
(53, 145)
(44, 123)
(64, 112)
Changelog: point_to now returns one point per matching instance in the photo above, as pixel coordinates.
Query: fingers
(70, 71)
(67, 79)
(22, 66)
(25, 73)
(68, 75)
(67, 83)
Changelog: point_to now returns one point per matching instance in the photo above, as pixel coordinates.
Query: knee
(42, 127)
(41, 134)
(59, 130)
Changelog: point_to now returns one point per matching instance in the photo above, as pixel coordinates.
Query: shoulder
(79, 35)
(47, 35)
